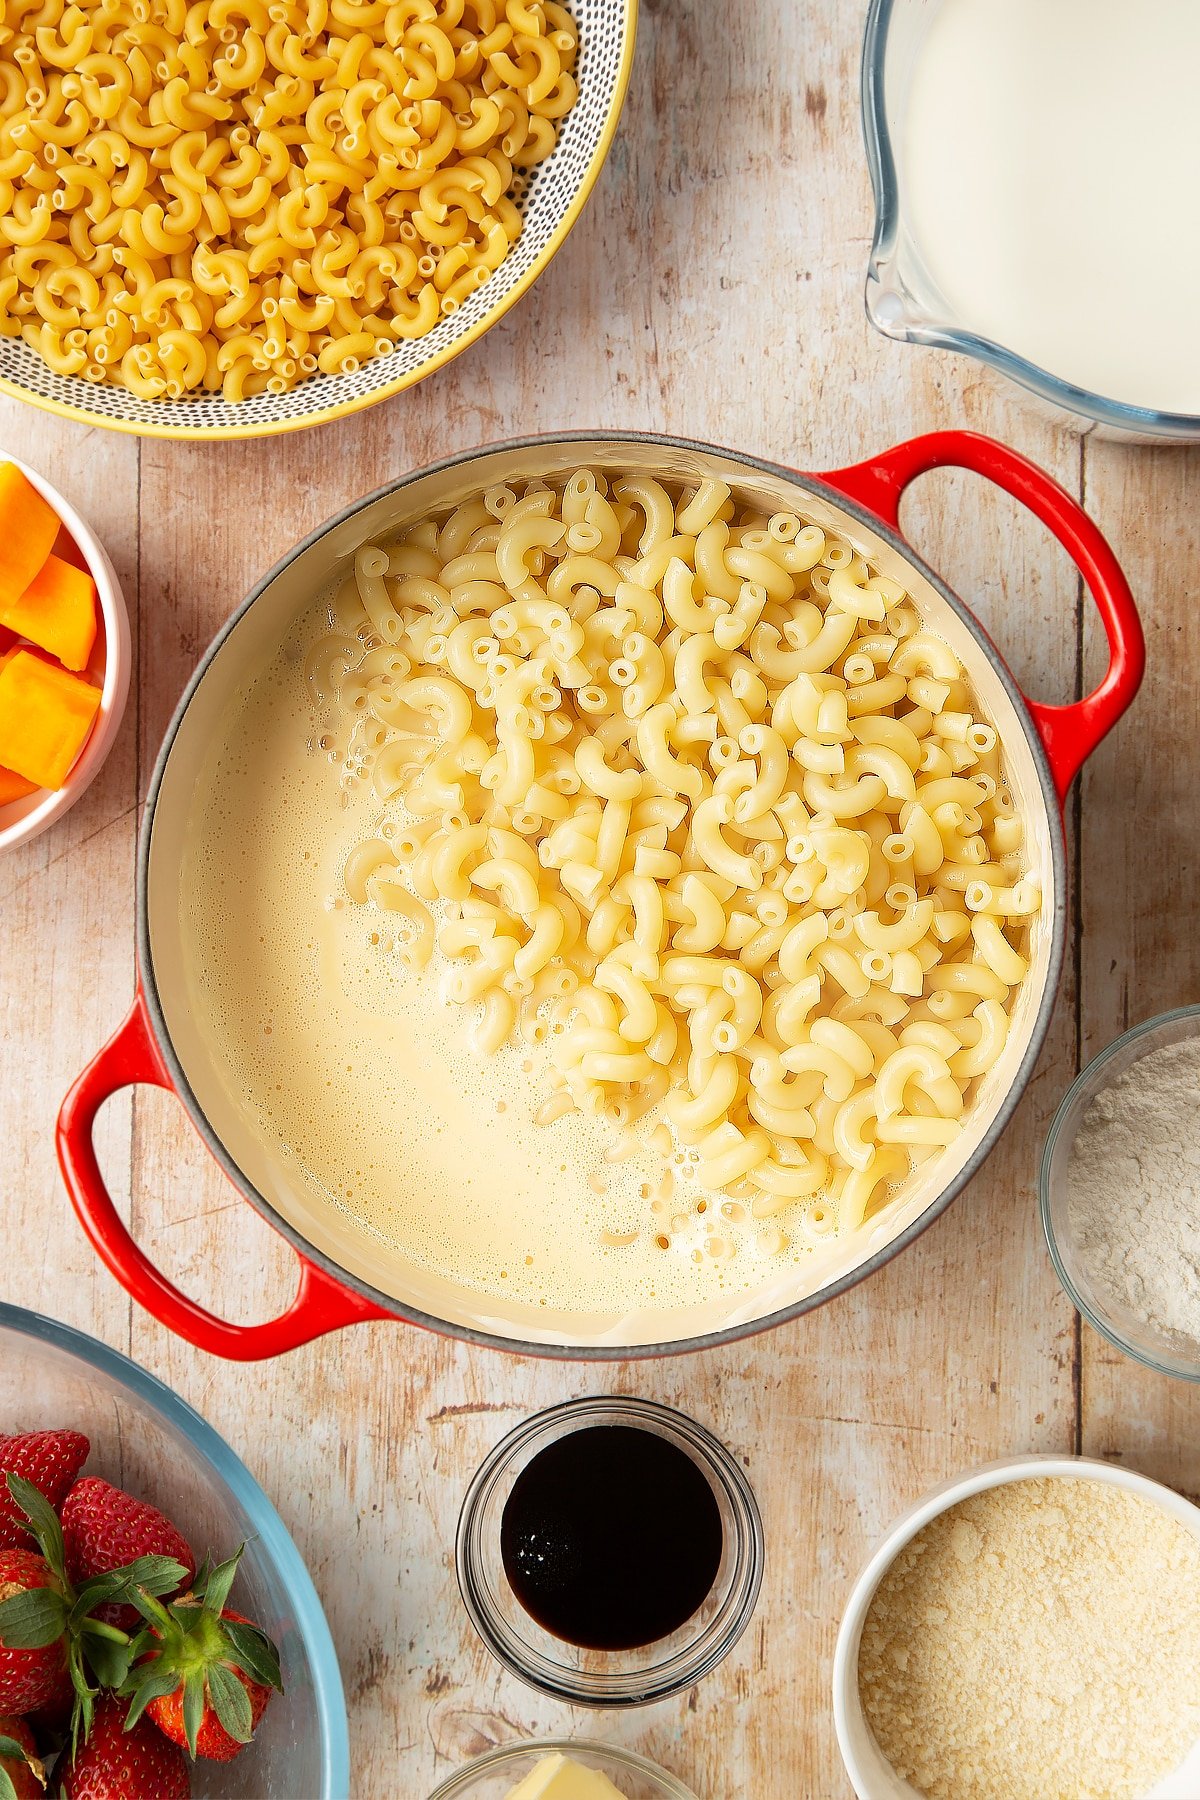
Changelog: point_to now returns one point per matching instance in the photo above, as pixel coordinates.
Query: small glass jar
(603, 1677)
(493, 1777)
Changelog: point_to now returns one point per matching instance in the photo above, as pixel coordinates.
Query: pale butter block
(557, 1778)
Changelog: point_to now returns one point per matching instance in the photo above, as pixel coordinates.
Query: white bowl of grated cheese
(980, 1701)
(1120, 1193)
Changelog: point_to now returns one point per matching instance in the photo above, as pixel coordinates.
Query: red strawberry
(24, 1770)
(48, 1627)
(29, 1677)
(51, 1460)
(208, 1673)
(104, 1529)
(212, 1739)
(52, 1720)
(116, 1764)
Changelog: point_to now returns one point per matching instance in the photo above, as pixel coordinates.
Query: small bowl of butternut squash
(64, 654)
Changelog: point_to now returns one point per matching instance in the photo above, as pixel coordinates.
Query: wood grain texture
(1139, 869)
(712, 288)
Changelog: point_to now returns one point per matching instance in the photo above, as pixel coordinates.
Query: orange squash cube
(57, 611)
(28, 528)
(45, 716)
(14, 786)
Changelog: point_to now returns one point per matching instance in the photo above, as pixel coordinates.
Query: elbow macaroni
(210, 196)
(737, 870)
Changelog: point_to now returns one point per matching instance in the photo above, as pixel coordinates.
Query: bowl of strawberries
(160, 1637)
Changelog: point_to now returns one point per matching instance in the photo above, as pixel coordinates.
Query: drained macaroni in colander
(230, 195)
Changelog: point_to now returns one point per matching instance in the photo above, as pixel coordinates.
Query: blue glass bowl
(149, 1441)
(903, 301)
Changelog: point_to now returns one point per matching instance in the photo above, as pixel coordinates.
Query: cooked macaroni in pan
(229, 195)
(689, 795)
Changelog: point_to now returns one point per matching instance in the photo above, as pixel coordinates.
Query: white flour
(1134, 1202)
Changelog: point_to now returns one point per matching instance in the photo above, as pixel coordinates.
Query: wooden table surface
(713, 287)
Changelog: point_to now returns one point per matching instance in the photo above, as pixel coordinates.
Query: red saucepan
(344, 1278)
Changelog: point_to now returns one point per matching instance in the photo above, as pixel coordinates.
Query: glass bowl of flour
(1120, 1193)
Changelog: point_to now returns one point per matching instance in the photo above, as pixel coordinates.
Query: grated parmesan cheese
(1039, 1641)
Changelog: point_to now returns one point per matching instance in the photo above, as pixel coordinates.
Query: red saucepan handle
(321, 1304)
(1069, 733)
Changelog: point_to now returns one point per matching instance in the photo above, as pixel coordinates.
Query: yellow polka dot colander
(549, 198)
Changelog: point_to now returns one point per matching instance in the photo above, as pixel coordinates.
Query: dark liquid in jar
(611, 1537)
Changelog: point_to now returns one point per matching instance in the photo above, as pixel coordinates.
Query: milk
(1049, 157)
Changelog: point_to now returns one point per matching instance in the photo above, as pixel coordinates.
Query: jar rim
(627, 1678)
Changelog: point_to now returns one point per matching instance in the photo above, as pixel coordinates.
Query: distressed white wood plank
(1139, 913)
(66, 955)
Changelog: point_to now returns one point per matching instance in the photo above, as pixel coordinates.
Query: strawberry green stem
(101, 1628)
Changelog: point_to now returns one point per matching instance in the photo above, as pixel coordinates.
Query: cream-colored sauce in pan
(363, 1075)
